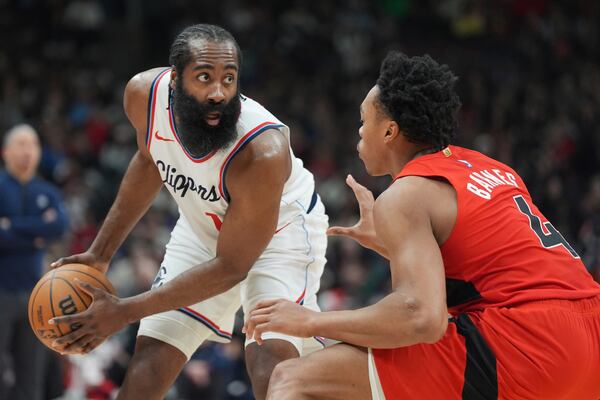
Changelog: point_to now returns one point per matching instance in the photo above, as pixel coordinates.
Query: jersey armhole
(247, 138)
(152, 107)
(459, 209)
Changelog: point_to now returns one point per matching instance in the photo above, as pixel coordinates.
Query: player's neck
(425, 151)
(409, 155)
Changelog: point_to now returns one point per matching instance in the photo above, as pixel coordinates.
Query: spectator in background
(529, 70)
(31, 214)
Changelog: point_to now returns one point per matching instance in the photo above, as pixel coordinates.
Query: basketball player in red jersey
(464, 239)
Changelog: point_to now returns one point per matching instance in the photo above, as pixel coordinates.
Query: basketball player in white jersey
(251, 226)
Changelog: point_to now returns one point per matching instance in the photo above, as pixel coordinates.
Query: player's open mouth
(213, 119)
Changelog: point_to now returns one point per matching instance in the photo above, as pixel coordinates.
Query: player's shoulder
(141, 82)
(262, 133)
(265, 160)
(270, 148)
(474, 158)
(415, 193)
(137, 95)
(255, 116)
(250, 103)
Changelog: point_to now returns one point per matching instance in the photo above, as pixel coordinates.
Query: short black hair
(180, 53)
(418, 93)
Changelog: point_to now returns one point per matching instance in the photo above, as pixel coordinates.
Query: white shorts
(290, 268)
(376, 389)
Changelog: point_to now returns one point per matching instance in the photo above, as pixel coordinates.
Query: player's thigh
(188, 327)
(290, 268)
(338, 372)
(459, 366)
(274, 278)
(292, 263)
(546, 349)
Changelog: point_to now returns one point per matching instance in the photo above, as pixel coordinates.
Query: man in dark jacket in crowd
(31, 214)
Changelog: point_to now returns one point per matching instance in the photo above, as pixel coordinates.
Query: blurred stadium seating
(529, 82)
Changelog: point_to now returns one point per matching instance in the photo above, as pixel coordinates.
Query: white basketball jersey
(198, 184)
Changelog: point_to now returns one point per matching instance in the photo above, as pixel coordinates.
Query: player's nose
(216, 95)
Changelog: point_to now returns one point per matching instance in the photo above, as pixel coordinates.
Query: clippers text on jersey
(180, 183)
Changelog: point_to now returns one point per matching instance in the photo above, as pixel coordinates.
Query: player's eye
(203, 77)
(229, 79)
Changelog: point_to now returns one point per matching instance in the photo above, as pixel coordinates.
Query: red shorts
(540, 350)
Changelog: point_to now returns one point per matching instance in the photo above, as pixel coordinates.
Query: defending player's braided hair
(180, 53)
(418, 93)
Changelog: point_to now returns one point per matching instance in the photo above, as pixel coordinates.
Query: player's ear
(173, 78)
(392, 132)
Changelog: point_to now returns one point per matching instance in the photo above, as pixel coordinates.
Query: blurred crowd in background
(529, 80)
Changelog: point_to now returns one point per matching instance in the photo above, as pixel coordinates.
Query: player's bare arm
(138, 189)
(411, 225)
(255, 182)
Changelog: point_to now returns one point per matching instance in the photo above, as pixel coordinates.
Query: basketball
(57, 294)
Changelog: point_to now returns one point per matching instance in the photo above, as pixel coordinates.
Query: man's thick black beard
(198, 137)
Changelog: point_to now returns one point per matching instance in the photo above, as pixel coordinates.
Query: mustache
(195, 133)
(210, 108)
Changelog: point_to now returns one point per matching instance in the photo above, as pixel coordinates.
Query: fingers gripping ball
(57, 294)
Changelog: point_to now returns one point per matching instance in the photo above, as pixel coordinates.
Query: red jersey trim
(152, 106)
(247, 138)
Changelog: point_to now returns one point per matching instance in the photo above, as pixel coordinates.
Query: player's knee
(152, 370)
(140, 370)
(139, 379)
(286, 381)
(260, 375)
(262, 361)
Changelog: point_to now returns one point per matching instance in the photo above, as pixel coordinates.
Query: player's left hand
(281, 316)
(103, 317)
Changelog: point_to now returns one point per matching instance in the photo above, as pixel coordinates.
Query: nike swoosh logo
(164, 139)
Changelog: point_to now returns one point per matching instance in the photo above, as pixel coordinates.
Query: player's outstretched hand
(87, 258)
(281, 316)
(103, 317)
(364, 230)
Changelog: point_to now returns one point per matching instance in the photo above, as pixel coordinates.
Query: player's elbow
(426, 322)
(430, 326)
(237, 272)
(416, 321)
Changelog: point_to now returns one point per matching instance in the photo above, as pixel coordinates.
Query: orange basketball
(57, 294)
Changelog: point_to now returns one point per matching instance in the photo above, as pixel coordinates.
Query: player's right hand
(87, 258)
(364, 230)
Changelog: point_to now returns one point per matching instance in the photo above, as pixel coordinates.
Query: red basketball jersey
(502, 251)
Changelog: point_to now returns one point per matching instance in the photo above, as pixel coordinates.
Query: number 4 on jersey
(549, 240)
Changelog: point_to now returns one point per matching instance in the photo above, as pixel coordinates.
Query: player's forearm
(192, 286)
(392, 322)
(138, 189)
